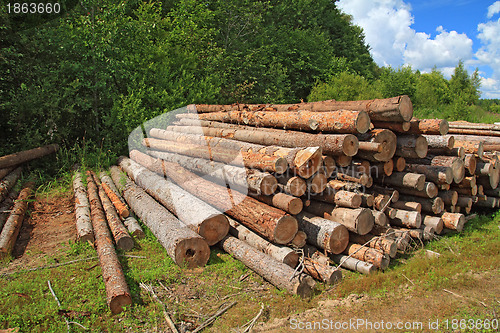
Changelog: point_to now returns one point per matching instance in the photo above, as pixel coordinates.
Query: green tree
(344, 87)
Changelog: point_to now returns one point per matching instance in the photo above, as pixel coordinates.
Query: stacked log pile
(359, 181)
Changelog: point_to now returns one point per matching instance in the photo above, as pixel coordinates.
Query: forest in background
(86, 77)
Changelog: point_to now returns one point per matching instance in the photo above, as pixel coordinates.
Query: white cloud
(387, 27)
(494, 9)
(489, 53)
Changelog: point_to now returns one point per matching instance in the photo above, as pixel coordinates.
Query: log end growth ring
(280, 166)
(364, 221)
(339, 239)
(268, 185)
(363, 122)
(214, 229)
(421, 146)
(350, 145)
(285, 230)
(117, 303)
(193, 252)
(405, 107)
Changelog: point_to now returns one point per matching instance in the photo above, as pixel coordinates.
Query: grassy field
(193, 295)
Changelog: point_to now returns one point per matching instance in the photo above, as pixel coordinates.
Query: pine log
(402, 127)
(183, 245)
(197, 215)
(434, 222)
(317, 183)
(386, 245)
(267, 221)
(429, 126)
(465, 201)
(347, 199)
(337, 185)
(399, 164)
(234, 157)
(381, 201)
(362, 179)
(120, 207)
(488, 202)
(430, 190)
(343, 160)
(14, 222)
(380, 218)
(341, 121)
(130, 222)
(449, 197)
(8, 182)
(455, 163)
(6, 206)
(82, 210)
(120, 234)
(471, 191)
(370, 255)
(277, 273)
(467, 182)
(281, 253)
(453, 221)
(391, 212)
(471, 147)
(475, 126)
(382, 169)
(288, 203)
(324, 233)
(385, 231)
(437, 174)
(491, 181)
(353, 264)
(432, 206)
(295, 186)
(4, 172)
(331, 144)
(303, 161)
(385, 137)
(366, 199)
(260, 182)
(317, 265)
(117, 291)
(483, 168)
(329, 165)
(406, 218)
(11, 160)
(391, 192)
(405, 179)
(411, 146)
(440, 141)
(408, 205)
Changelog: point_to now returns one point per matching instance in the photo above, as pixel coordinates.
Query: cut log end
(285, 229)
(117, 303)
(193, 252)
(125, 243)
(295, 206)
(421, 146)
(214, 229)
(365, 221)
(280, 166)
(291, 259)
(339, 239)
(308, 161)
(363, 122)
(350, 145)
(304, 286)
(405, 107)
(268, 185)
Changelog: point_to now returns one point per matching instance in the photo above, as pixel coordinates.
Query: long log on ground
(331, 144)
(382, 136)
(288, 203)
(120, 207)
(11, 160)
(277, 273)
(117, 291)
(437, 174)
(430, 190)
(433, 206)
(341, 121)
(14, 222)
(395, 109)
(386, 245)
(303, 161)
(429, 126)
(4, 172)
(365, 253)
(406, 218)
(317, 265)
(404, 179)
(279, 252)
(453, 221)
(353, 264)
(6, 205)
(234, 157)
(134, 228)
(267, 221)
(440, 141)
(183, 245)
(324, 233)
(84, 229)
(294, 185)
(411, 146)
(475, 126)
(8, 182)
(260, 182)
(199, 216)
(120, 234)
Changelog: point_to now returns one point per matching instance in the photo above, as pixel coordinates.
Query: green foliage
(344, 87)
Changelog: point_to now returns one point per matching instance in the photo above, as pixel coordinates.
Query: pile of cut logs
(297, 191)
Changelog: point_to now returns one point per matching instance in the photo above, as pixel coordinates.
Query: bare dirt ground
(46, 232)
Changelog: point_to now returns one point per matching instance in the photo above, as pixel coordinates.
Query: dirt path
(46, 231)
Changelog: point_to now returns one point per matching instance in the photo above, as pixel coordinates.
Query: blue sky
(438, 33)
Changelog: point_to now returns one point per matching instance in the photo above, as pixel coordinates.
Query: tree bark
(14, 222)
(433, 173)
(408, 205)
(294, 186)
(411, 146)
(288, 203)
(8, 182)
(26, 155)
(260, 182)
(429, 126)
(435, 222)
(353, 264)
(120, 207)
(364, 253)
(341, 121)
(299, 240)
(402, 127)
(386, 245)
(277, 273)
(432, 206)
(84, 229)
(234, 157)
(453, 221)
(280, 253)
(197, 215)
(269, 222)
(406, 218)
(183, 245)
(4, 172)
(117, 291)
(440, 141)
(405, 179)
(385, 137)
(6, 205)
(430, 190)
(323, 233)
